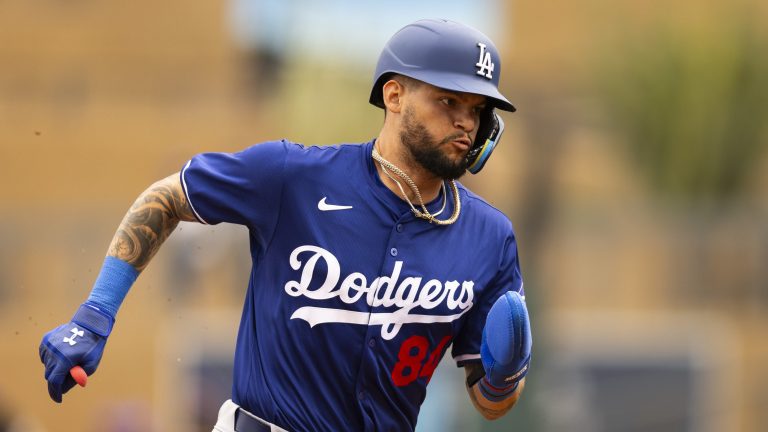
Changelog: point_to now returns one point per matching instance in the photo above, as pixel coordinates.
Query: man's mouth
(462, 143)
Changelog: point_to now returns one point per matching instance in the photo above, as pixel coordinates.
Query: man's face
(438, 128)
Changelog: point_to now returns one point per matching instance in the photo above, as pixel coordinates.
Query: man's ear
(392, 93)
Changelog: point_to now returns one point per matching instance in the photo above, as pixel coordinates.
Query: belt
(247, 422)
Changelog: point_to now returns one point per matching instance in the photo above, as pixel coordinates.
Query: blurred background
(635, 172)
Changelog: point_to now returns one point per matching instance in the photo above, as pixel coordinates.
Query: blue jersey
(352, 300)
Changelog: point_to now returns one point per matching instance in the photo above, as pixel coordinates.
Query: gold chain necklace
(388, 166)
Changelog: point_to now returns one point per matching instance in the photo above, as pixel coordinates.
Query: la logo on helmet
(484, 64)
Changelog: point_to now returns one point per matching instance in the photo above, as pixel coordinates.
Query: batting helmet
(443, 53)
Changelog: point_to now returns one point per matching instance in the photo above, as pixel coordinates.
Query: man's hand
(80, 342)
(505, 349)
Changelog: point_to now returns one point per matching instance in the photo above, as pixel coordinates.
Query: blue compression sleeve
(112, 285)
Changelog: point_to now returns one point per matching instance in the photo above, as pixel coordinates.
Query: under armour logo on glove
(75, 333)
(77, 343)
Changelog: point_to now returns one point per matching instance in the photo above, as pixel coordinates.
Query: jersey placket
(368, 367)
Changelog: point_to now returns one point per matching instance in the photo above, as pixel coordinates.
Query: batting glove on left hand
(80, 342)
(505, 349)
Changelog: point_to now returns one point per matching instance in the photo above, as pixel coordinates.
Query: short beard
(426, 152)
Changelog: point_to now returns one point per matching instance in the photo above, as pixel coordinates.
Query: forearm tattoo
(150, 221)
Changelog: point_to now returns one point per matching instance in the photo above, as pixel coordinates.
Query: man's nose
(465, 120)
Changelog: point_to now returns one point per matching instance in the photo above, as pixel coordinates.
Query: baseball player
(370, 260)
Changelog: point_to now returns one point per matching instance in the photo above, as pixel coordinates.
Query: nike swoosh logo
(323, 206)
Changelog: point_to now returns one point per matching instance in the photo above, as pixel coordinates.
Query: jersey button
(399, 228)
(393, 252)
(372, 342)
(361, 395)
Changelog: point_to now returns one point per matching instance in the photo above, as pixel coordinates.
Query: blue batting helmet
(445, 54)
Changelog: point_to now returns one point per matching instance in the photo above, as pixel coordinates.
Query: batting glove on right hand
(505, 349)
(80, 342)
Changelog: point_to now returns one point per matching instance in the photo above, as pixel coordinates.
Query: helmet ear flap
(488, 135)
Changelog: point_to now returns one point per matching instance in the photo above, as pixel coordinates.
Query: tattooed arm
(489, 409)
(150, 221)
(147, 224)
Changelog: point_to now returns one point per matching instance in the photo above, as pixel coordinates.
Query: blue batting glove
(505, 349)
(80, 342)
